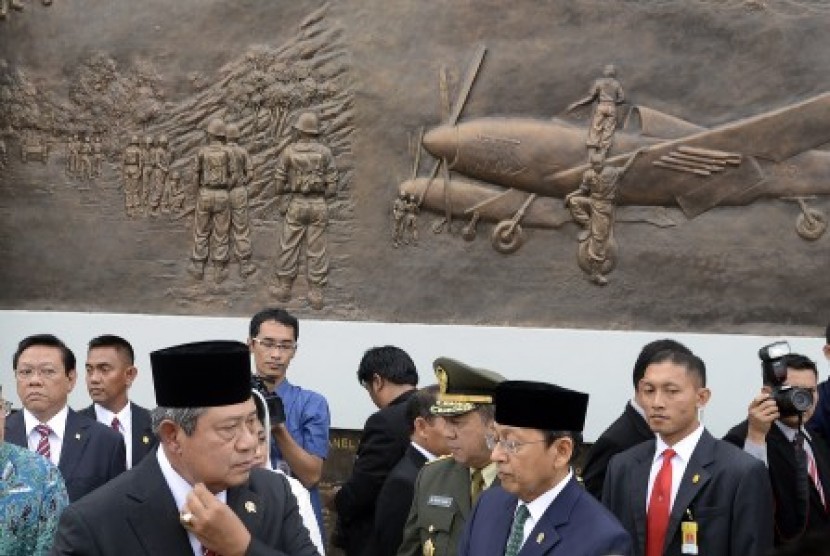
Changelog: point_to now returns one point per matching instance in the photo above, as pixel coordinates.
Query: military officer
(447, 489)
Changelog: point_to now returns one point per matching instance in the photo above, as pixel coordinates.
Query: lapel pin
(250, 507)
(78, 436)
(540, 538)
(145, 439)
(696, 478)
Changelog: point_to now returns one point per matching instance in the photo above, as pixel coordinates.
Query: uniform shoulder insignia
(439, 458)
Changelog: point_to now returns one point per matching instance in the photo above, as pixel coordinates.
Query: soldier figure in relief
(307, 175)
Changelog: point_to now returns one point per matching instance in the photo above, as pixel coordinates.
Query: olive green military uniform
(442, 499)
(439, 510)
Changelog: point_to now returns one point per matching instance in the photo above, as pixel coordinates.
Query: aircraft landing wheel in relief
(610, 263)
(507, 237)
(811, 225)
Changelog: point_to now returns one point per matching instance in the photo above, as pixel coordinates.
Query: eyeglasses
(5, 407)
(270, 345)
(510, 446)
(48, 373)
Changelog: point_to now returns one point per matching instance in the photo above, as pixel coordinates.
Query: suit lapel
(545, 536)
(142, 435)
(638, 489)
(246, 504)
(152, 512)
(694, 480)
(75, 438)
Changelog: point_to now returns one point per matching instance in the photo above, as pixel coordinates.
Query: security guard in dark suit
(447, 488)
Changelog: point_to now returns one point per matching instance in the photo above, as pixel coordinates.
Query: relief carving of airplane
(517, 170)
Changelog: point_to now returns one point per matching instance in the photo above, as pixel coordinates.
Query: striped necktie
(43, 444)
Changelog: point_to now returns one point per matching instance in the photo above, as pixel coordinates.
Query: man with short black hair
(630, 428)
(539, 507)
(390, 377)
(110, 371)
(776, 439)
(201, 492)
(685, 491)
(301, 443)
(87, 453)
(427, 443)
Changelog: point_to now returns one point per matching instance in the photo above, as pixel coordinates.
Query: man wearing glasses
(539, 507)
(301, 443)
(32, 497)
(447, 489)
(87, 453)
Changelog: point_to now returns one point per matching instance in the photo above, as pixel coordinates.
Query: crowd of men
(475, 465)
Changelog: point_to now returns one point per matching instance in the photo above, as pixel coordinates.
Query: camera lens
(801, 399)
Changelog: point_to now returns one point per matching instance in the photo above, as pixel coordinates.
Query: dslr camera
(273, 403)
(791, 400)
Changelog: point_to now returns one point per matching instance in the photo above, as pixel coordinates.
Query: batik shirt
(32, 497)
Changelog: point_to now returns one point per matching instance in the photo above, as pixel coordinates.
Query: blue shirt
(32, 497)
(307, 420)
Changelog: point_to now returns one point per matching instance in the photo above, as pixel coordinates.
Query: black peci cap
(202, 374)
(539, 405)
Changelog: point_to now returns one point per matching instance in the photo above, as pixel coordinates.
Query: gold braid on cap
(443, 396)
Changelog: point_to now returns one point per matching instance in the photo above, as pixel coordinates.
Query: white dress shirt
(683, 450)
(180, 489)
(125, 418)
(539, 506)
(58, 426)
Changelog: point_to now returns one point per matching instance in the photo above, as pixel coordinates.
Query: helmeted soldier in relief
(212, 218)
(306, 175)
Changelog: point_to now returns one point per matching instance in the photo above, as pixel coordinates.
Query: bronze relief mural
(646, 165)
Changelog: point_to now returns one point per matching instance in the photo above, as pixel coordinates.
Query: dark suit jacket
(143, 439)
(91, 453)
(393, 504)
(789, 513)
(626, 432)
(726, 490)
(575, 524)
(383, 443)
(136, 515)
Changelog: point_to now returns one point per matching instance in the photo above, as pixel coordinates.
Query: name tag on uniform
(442, 501)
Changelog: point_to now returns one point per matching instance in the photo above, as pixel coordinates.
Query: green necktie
(476, 485)
(517, 531)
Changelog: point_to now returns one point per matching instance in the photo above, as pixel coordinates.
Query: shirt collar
(488, 473)
(539, 506)
(789, 431)
(177, 484)
(104, 415)
(56, 423)
(426, 453)
(684, 448)
(638, 409)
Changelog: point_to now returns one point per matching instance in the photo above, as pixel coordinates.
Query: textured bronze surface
(447, 117)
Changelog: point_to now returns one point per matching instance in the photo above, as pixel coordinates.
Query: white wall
(597, 362)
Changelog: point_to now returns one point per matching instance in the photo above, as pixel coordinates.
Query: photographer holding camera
(774, 432)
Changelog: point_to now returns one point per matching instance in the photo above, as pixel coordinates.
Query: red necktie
(116, 424)
(659, 507)
(43, 444)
